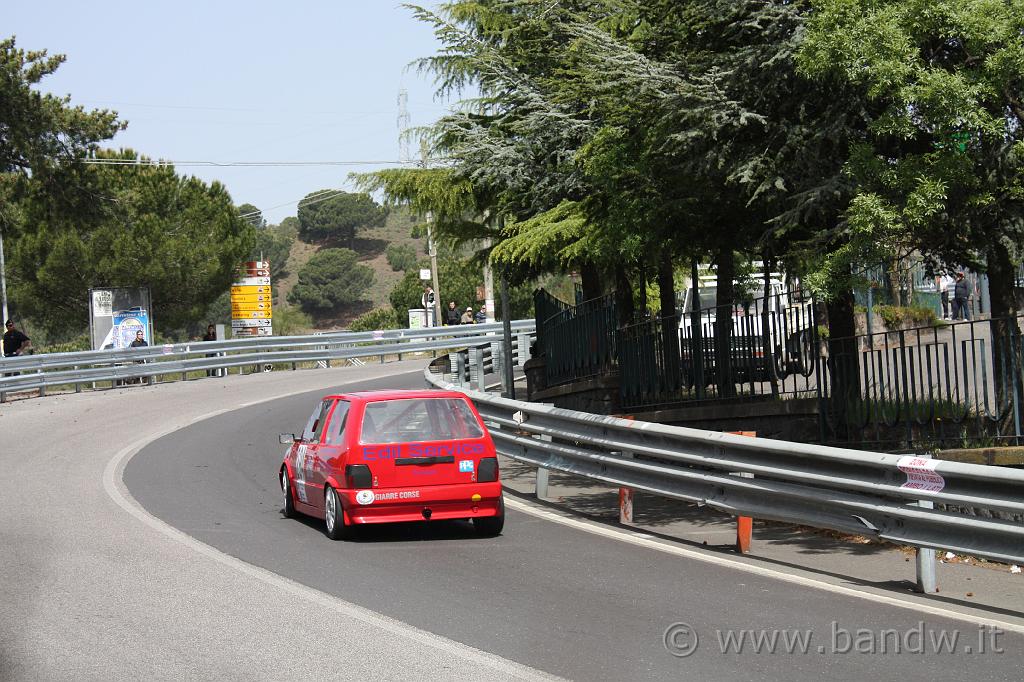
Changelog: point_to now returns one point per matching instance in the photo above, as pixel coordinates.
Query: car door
(306, 453)
(330, 448)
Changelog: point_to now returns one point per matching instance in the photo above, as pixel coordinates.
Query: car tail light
(358, 476)
(488, 469)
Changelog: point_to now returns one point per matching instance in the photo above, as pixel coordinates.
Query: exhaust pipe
(426, 514)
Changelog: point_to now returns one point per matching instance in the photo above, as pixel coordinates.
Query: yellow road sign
(250, 314)
(246, 308)
(264, 289)
(251, 298)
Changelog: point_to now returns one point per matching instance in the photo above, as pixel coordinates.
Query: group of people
(453, 315)
(955, 290)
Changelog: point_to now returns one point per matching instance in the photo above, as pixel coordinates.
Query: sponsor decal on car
(365, 497)
(399, 495)
(466, 466)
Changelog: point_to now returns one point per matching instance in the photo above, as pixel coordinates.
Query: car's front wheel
(491, 526)
(334, 517)
(286, 490)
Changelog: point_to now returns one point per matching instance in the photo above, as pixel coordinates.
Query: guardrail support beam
(925, 562)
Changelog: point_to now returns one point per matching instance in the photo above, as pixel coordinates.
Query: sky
(229, 81)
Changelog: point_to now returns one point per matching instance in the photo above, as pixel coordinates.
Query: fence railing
(86, 368)
(977, 509)
(577, 342)
(951, 385)
(772, 352)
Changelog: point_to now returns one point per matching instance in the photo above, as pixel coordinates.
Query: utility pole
(3, 277)
(432, 252)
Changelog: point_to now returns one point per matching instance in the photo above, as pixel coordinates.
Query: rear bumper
(393, 505)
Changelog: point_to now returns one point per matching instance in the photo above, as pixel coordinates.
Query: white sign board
(424, 274)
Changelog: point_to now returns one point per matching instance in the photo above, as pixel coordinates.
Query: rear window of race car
(422, 419)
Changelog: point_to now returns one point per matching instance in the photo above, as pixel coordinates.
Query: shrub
(401, 257)
(378, 318)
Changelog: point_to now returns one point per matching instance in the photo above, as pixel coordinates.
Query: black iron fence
(944, 386)
(772, 352)
(577, 341)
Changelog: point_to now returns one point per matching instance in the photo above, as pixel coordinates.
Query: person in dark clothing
(961, 298)
(211, 335)
(451, 315)
(138, 342)
(15, 342)
(481, 315)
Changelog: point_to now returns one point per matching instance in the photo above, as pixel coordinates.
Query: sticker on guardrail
(921, 474)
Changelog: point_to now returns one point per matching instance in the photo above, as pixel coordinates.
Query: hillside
(370, 244)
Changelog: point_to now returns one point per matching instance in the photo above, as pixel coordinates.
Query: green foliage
(330, 280)
(401, 257)
(378, 318)
(336, 216)
(897, 317)
(130, 226)
(79, 343)
(274, 243)
(940, 168)
(252, 215)
(291, 321)
(37, 129)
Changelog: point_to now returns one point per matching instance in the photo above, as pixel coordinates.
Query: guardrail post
(925, 562)
(522, 348)
(476, 369)
(498, 364)
(456, 366)
(744, 524)
(78, 386)
(626, 498)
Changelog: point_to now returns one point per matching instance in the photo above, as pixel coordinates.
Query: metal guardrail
(889, 497)
(60, 369)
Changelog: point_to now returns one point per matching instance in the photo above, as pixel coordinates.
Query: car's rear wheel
(491, 526)
(286, 490)
(334, 517)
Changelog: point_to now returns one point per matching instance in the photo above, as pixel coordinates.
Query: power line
(237, 164)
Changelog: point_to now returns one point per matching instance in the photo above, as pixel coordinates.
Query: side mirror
(286, 438)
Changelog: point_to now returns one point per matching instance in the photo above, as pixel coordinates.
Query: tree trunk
(843, 365)
(591, 281)
(771, 362)
(623, 296)
(726, 273)
(1005, 331)
(669, 321)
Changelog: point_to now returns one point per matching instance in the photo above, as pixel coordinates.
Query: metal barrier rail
(889, 497)
(58, 369)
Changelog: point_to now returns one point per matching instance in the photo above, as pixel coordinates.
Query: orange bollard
(744, 524)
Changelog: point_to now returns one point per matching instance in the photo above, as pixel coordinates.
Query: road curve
(544, 595)
(93, 588)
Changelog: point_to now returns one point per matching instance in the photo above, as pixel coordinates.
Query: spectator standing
(961, 298)
(211, 335)
(15, 342)
(451, 315)
(481, 315)
(138, 342)
(946, 284)
(467, 317)
(427, 302)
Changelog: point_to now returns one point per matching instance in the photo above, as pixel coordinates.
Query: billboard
(126, 323)
(104, 302)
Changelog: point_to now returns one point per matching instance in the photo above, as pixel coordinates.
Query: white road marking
(649, 542)
(113, 483)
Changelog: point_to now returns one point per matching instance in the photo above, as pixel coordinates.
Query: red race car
(387, 456)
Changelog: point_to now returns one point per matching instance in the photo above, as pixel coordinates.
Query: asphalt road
(545, 595)
(94, 588)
